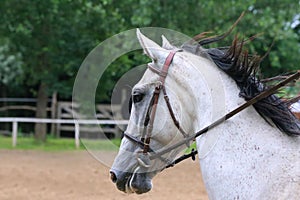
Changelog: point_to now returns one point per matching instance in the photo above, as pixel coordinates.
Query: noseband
(144, 142)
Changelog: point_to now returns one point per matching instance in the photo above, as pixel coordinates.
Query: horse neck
(244, 142)
(212, 94)
(208, 94)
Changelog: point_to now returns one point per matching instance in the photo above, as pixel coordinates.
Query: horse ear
(150, 48)
(166, 44)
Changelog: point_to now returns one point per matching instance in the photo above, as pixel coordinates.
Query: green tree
(10, 66)
(10, 69)
(52, 37)
(272, 18)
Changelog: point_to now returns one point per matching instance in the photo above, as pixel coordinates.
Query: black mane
(242, 68)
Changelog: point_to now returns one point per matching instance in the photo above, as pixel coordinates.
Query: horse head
(156, 110)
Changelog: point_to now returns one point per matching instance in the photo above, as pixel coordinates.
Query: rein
(252, 101)
(145, 158)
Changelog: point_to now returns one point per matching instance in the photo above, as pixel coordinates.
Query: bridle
(151, 111)
(148, 154)
(144, 142)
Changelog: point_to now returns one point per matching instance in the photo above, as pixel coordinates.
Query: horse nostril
(113, 177)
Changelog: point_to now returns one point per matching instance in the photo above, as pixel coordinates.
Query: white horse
(245, 157)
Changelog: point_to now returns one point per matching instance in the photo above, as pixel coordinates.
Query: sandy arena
(37, 175)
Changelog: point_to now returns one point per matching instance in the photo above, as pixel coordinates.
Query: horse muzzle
(138, 183)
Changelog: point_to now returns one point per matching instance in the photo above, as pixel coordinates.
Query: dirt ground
(37, 175)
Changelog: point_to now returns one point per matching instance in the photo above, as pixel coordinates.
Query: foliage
(10, 65)
(51, 38)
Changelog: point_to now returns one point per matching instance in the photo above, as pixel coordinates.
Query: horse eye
(137, 97)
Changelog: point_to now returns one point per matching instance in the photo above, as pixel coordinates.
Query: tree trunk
(40, 129)
(5, 113)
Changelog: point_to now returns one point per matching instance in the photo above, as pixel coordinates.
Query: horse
(253, 155)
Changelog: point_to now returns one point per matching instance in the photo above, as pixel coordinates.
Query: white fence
(76, 122)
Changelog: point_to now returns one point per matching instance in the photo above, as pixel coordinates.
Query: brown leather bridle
(153, 104)
(144, 142)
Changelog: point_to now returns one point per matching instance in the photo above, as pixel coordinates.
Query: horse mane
(242, 68)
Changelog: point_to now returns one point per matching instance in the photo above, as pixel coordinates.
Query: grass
(64, 144)
(55, 144)
(193, 146)
(101, 144)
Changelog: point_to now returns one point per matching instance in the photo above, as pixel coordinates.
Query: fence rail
(76, 122)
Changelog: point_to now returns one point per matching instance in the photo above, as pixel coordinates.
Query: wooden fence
(75, 122)
(66, 111)
(69, 111)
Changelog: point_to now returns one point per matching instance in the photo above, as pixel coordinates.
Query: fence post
(14, 133)
(53, 111)
(77, 143)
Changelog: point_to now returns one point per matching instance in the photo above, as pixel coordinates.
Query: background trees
(43, 43)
